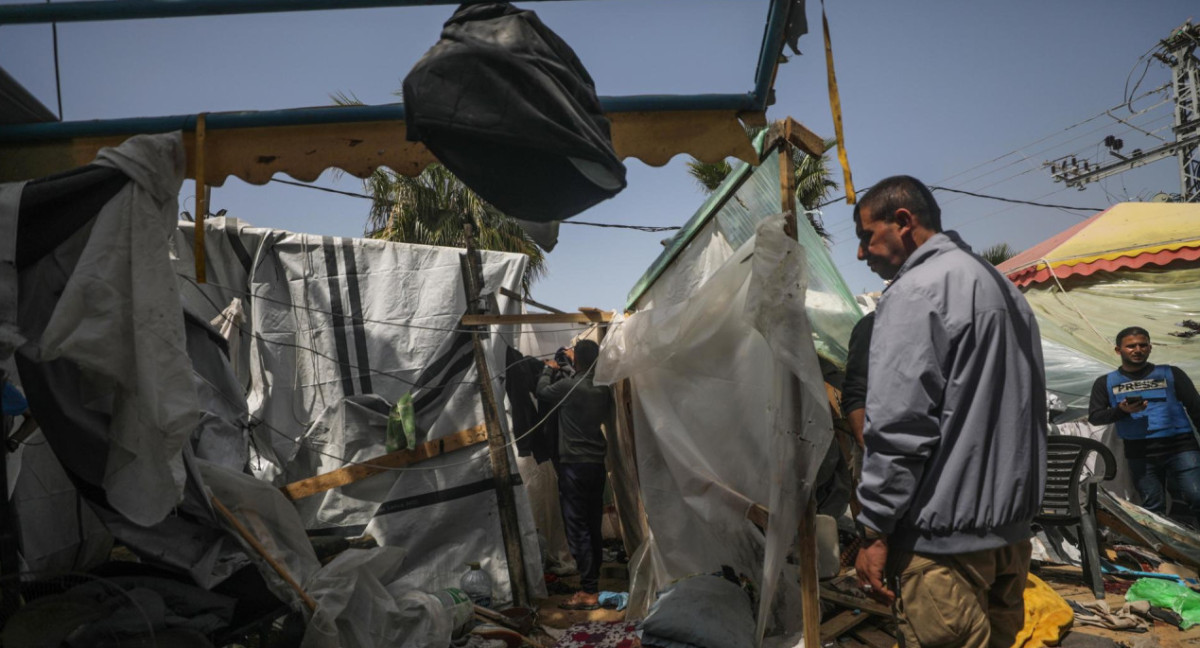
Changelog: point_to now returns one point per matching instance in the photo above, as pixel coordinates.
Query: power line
(390, 203)
(1013, 200)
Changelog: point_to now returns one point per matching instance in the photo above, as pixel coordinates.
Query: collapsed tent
(727, 412)
(337, 330)
(144, 403)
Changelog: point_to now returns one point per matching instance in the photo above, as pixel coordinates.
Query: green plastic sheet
(1170, 595)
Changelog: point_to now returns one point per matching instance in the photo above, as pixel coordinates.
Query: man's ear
(905, 220)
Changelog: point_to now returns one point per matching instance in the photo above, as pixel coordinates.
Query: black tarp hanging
(506, 105)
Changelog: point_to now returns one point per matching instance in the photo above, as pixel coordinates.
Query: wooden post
(201, 202)
(506, 501)
(806, 541)
(258, 547)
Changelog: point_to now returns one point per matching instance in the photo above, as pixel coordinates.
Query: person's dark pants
(581, 493)
(1180, 472)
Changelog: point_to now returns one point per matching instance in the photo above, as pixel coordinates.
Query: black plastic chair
(1062, 504)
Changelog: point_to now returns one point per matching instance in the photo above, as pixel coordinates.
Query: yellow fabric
(835, 106)
(1047, 616)
(1130, 229)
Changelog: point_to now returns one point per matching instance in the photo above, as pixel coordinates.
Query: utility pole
(1178, 52)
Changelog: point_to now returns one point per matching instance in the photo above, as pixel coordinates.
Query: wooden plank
(759, 515)
(506, 501)
(258, 547)
(527, 300)
(810, 584)
(537, 318)
(841, 624)
(875, 637)
(802, 138)
(398, 459)
(1115, 523)
(304, 151)
(855, 602)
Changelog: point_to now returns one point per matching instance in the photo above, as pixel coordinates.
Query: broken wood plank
(398, 459)
(1116, 524)
(759, 515)
(527, 300)
(875, 637)
(841, 624)
(258, 547)
(855, 602)
(537, 318)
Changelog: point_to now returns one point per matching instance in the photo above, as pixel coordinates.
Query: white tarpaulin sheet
(716, 422)
(337, 330)
(118, 320)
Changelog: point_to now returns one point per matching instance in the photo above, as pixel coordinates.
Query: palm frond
(998, 253)
(709, 175)
(432, 209)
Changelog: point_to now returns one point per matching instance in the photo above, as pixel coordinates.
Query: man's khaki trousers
(974, 599)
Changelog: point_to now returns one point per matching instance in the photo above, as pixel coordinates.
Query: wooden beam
(398, 459)
(810, 583)
(855, 602)
(1116, 524)
(258, 547)
(506, 501)
(802, 138)
(841, 624)
(303, 152)
(537, 318)
(526, 300)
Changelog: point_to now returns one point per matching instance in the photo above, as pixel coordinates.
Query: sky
(964, 95)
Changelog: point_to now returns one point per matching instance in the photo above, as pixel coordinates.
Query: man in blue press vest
(1151, 405)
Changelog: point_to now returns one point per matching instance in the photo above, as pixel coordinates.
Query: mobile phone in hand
(1133, 400)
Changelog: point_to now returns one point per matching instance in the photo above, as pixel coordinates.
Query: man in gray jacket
(955, 429)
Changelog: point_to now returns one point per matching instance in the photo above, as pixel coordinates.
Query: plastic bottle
(478, 585)
(458, 606)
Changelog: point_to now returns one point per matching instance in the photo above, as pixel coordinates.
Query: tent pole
(806, 541)
(497, 448)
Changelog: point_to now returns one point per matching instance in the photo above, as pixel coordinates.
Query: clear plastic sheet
(714, 417)
(832, 309)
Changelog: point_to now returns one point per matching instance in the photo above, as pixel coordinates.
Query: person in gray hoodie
(955, 431)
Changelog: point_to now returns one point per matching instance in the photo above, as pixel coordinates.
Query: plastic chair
(1066, 458)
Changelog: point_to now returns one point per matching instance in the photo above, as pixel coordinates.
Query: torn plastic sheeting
(118, 319)
(713, 403)
(360, 605)
(1170, 595)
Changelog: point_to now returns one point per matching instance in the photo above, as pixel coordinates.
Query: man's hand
(1131, 408)
(872, 557)
(552, 364)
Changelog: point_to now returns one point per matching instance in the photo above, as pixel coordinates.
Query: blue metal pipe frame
(97, 10)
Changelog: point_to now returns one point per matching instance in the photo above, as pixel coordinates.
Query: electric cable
(392, 203)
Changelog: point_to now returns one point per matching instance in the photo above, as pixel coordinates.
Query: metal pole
(497, 447)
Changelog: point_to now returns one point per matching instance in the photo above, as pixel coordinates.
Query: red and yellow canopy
(1125, 236)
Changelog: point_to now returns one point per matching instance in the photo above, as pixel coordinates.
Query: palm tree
(814, 179)
(433, 207)
(998, 253)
